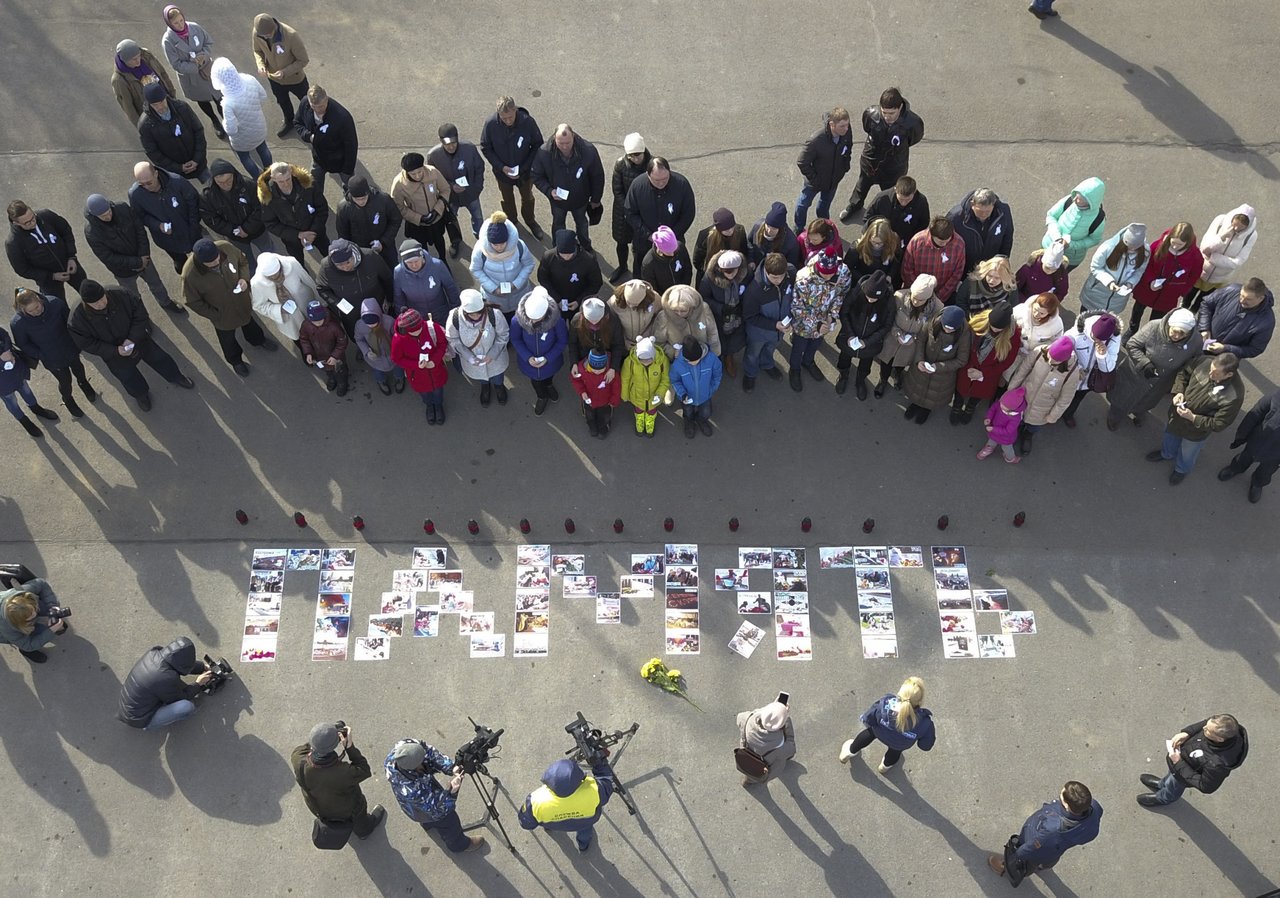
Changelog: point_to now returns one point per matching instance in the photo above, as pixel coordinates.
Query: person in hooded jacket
(370, 219)
(695, 376)
(294, 209)
(154, 695)
(821, 288)
(1238, 318)
(242, 108)
(994, 350)
(502, 264)
(510, 140)
(824, 161)
(463, 167)
(684, 314)
(723, 233)
(1259, 434)
(324, 346)
(646, 382)
(1117, 267)
(24, 617)
(349, 276)
(1097, 340)
(1225, 247)
(1002, 423)
(215, 285)
(772, 235)
(992, 281)
(328, 127)
(1149, 362)
(423, 282)
(637, 306)
(189, 49)
(135, 68)
(373, 338)
(769, 732)
(1045, 271)
(938, 355)
(14, 376)
(913, 308)
(1173, 268)
(229, 206)
(667, 263)
(281, 289)
(172, 135)
(1050, 375)
(539, 337)
(169, 207)
(569, 273)
(633, 163)
(567, 169)
(418, 347)
(985, 224)
(119, 240)
(896, 721)
(722, 289)
(569, 800)
(478, 333)
(903, 205)
(1073, 819)
(866, 318)
(892, 129)
(40, 330)
(765, 303)
(42, 247)
(1077, 220)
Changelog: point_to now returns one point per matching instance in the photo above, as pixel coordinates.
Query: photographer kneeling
(154, 694)
(411, 768)
(30, 617)
(569, 800)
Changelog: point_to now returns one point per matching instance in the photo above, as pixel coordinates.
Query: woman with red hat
(418, 346)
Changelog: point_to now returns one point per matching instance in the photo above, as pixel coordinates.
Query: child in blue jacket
(695, 376)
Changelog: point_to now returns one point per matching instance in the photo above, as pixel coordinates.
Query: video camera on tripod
(221, 671)
(475, 754)
(591, 745)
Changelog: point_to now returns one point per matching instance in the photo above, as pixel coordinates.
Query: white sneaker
(846, 752)
(883, 769)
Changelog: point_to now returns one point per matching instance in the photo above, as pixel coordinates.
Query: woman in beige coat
(915, 306)
(281, 289)
(1050, 375)
(769, 733)
(684, 314)
(637, 306)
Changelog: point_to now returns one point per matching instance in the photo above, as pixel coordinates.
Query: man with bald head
(568, 170)
(169, 207)
(510, 140)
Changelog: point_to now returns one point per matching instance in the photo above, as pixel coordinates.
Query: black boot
(842, 382)
(89, 392)
(75, 410)
(1024, 445)
(30, 427)
(860, 388)
(41, 412)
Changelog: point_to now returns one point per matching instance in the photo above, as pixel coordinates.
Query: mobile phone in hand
(784, 697)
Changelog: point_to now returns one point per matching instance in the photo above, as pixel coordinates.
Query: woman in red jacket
(418, 347)
(1175, 266)
(821, 234)
(994, 349)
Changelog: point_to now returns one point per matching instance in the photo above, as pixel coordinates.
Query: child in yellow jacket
(645, 383)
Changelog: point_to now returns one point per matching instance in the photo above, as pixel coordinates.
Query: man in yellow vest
(569, 800)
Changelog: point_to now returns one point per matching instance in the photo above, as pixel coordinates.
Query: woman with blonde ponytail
(898, 721)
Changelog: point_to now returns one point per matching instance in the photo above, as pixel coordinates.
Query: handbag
(595, 213)
(331, 835)
(749, 763)
(1100, 381)
(1013, 867)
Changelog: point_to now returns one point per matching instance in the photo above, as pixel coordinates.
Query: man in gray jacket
(463, 167)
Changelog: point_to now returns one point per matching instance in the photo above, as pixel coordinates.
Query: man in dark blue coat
(1238, 318)
(1259, 434)
(1070, 821)
(985, 223)
(510, 141)
(823, 162)
(169, 208)
(569, 800)
(1201, 757)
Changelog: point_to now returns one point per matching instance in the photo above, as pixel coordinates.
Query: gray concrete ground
(1156, 606)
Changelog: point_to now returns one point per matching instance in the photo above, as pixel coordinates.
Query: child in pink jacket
(1002, 422)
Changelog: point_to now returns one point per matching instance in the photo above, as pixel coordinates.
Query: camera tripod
(490, 809)
(597, 742)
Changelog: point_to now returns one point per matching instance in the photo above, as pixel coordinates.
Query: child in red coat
(601, 391)
(419, 348)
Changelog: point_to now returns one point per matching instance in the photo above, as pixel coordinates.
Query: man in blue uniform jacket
(1070, 821)
(569, 800)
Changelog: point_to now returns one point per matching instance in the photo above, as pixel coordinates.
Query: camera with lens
(57, 613)
(590, 744)
(222, 672)
(475, 754)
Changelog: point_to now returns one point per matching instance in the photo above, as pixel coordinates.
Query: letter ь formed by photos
(975, 623)
(531, 636)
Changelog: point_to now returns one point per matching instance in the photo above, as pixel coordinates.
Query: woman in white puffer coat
(242, 114)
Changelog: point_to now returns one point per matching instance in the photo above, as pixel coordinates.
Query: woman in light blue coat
(502, 265)
(1116, 268)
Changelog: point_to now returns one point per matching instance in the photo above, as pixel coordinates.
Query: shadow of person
(1171, 102)
(599, 874)
(224, 774)
(41, 761)
(1218, 847)
(386, 868)
(82, 707)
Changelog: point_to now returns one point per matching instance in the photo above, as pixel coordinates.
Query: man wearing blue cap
(569, 800)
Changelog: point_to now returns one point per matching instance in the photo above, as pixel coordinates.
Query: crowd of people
(933, 303)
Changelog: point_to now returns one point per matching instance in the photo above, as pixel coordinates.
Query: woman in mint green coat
(1077, 221)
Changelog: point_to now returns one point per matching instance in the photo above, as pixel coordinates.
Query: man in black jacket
(230, 208)
(568, 170)
(985, 223)
(569, 275)
(120, 242)
(169, 207)
(113, 325)
(329, 128)
(823, 162)
(1259, 434)
(463, 167)
(906, 208)
(892, 130)
(510, 141)
(172, 136)
(348, 277)
(330, 787)
(661, 197)
(1200, 756)
(42, 247)
(154, 695)
(370, 219)
(294, 209)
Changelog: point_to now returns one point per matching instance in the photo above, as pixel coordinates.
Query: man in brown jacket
(215, 284)
(282, 58)
(421, 194)
(331, 785)
(1207, 396)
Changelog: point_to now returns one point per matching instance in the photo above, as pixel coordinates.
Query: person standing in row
(913, 309)
(1201, 756)
(118, 239)
(1225, 248)
(42, 247)
(646, 383)
(633, 163)
(324, 346)
(695, 377)
(189, 50)
(1077, 221)
(595, 381)
(722, 288)
(985, 223)
(765, 303)
(422, 194)
(1238, 318)
(479, 333)
(1097, 339)
(1038, 321)
(597, 328)
(991, 282)
(667, 263)
(1116, 268)
(329, 769)
(169, 207)
(294, 209)
(328, 127)
(865, 320)
(135, 68)
(994, 349)
(821, 235)
(349, 276)
(282, 59)
(282, 289)
(230, 207)
(215, 285)
(821, 288)
(567, 169)
(246, 124)
(892, 130)
(539, 337)
(510, 140)
(112, 324)
(637, 306)
(370, 219)
(569, 274)
(423, 283)
(1049, 375)
(172, 136)
(1259, 434)
(1045, 271)
(771, 235)
(1173, 267)
(1207, 397)
(502, 265)
(40, 330)
(723, 233)
(661, 197)
(463, 167)
(906, 208)
(1072, 820)
(1149, 362)
(937, 251)
(683, 315)
(418, 347)
(373, 339)
(898, 722)
(15, 375)
(876, 250)
(940, 352)
(823, 163)
(770, 735)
